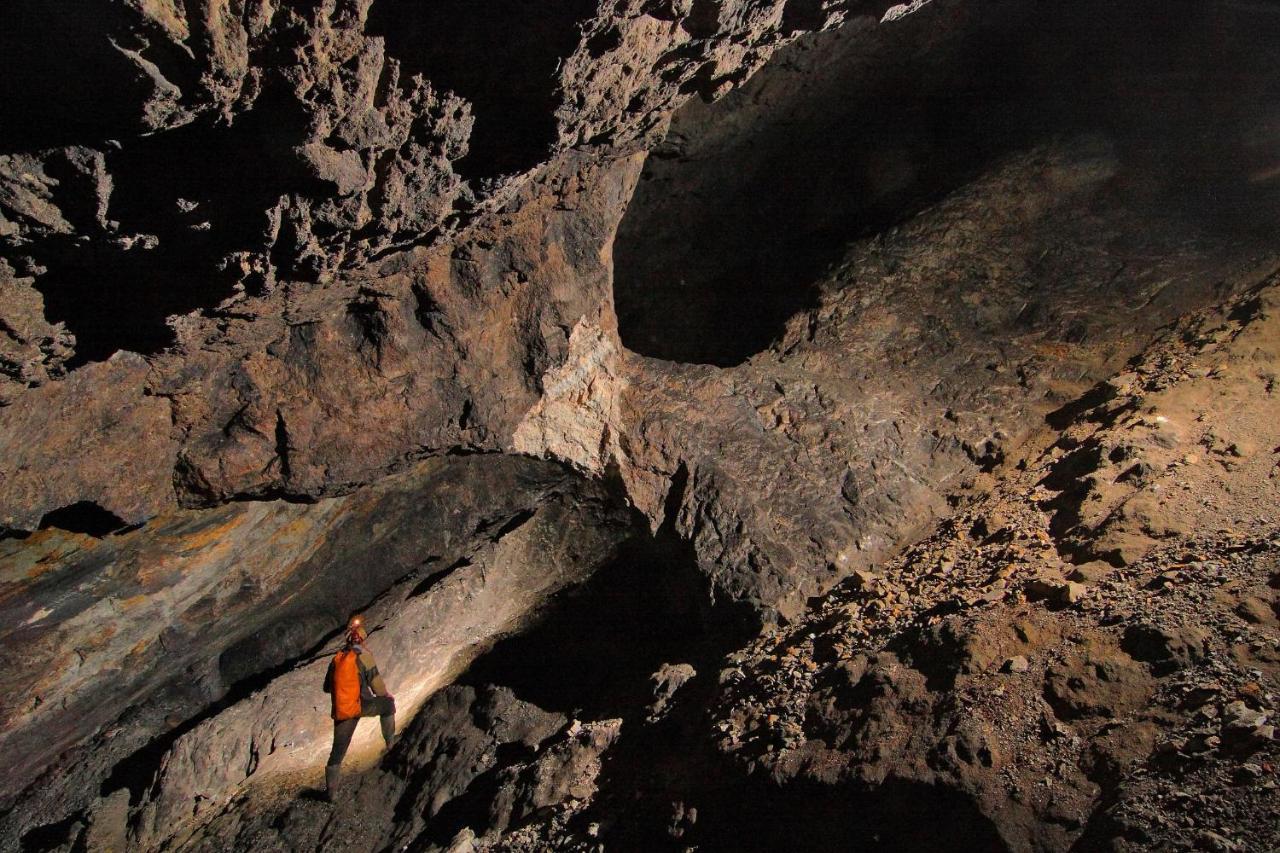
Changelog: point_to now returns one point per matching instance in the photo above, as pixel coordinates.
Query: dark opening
(200, 192)
(502, 56)
(61, 81)
(845, 134)
(593, 652)
(84, 517)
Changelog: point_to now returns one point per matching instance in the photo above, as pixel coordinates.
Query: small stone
(862, 579)
(1062, 592)
(1199, 694)
(1018, 663)
(1051, 728)
(1090, 572)
(1208, 840)
(1238, 716)
(1037, 588)
(1249, 771)
(1071, 592)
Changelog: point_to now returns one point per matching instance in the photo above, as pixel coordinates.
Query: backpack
(346, 684)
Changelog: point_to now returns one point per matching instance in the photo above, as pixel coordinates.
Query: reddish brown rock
(97, 437)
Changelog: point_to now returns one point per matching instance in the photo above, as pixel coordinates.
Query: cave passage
(502, 56)
(844, 134)
(593, 652)
(84, 517)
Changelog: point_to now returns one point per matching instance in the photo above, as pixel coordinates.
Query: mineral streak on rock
(577, 417)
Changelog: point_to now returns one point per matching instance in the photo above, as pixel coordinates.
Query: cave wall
(181, 659)
(251, 144)
(324, 330)
(304, 272)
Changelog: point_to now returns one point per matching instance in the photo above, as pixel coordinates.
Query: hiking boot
(331, 775)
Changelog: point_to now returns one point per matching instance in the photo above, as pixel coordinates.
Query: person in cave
(357, 689)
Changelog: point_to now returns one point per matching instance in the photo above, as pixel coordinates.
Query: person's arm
(328, 678)
(376, 683)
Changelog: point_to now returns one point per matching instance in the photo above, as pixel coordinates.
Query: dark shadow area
(61, 81)
(84, 517)
(844, 135)
(666, 787)
(896, 816)
(62, 835)
(187, 199)
(502, 56)
(1072, 478)
(1066, 414)
(593, 652)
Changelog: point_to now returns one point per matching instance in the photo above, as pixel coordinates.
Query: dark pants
(378, 706)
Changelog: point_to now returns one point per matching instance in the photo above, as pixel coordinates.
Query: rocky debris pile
(1079, 701)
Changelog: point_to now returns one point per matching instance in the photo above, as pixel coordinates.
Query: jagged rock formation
(737, 361)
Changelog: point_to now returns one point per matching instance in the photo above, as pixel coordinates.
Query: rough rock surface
(1027, 694)
(889, 425)
(1080, 717)
(178, 660)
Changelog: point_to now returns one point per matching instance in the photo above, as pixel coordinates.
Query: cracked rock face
(743, 420)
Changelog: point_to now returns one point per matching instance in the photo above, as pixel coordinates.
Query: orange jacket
(352, 677)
